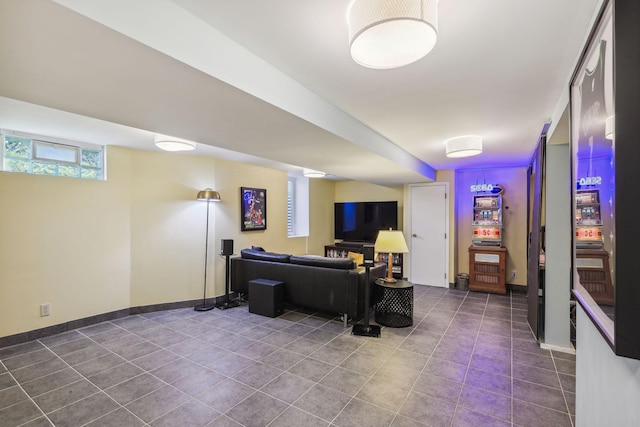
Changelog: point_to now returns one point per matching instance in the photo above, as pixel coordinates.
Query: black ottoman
(266, 297)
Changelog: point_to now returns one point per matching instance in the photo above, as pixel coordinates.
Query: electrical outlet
(514, 274)
(45, 309)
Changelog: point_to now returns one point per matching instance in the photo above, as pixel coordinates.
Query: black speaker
(368, 255)
(227, 247)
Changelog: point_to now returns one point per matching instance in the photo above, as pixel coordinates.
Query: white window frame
(297, 206)
(291, 197)
(38, 144)
(43, 141)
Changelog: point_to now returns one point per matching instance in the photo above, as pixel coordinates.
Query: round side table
(394, 303)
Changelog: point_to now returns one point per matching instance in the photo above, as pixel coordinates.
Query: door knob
(414, 235)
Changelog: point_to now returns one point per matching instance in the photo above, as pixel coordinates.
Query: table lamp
(391, 241)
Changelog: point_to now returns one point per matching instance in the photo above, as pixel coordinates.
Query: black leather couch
(334, 285)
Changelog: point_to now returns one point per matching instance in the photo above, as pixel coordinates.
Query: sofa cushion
(264, 256)
(320, 261)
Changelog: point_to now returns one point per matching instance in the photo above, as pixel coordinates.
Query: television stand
(357, 245)
(342, 249)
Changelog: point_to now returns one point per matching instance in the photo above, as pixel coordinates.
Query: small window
(291, 194)
(44, 156)
(297, 206)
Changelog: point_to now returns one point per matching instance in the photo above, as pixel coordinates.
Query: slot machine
(487, 220)
(588, 220)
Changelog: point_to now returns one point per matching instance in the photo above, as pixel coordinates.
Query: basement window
(41, 155)
(291, 197)
(297, 206)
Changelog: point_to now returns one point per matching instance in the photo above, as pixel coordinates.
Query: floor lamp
(365, 329)
(206, 195)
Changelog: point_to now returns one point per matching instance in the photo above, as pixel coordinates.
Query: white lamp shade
(170, 143)
(391, 241)
(392, 33)
(464, 146)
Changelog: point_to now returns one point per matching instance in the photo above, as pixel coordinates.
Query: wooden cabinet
(334, 251)
(487, 267)
(595, 274)
(341, 250)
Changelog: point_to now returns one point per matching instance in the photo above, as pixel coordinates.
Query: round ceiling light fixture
(391, 33)
(169, 143)
(464, 146)
(310, 173)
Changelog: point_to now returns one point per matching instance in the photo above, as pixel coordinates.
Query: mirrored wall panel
(593, 177)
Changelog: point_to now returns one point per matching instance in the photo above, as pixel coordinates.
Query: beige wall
(136, 239)
(514, 181)
(168, 227)
(139, 238)
(66, 242)
(321, 215)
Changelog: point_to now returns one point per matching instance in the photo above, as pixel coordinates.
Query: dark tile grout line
(395, 347)
(145, 371)
(475, 342)
(354, 396)
(120, 406)
(317, 383)
(561, 387)
(397, 412)
(354, 351)
(27, 394)
(100, 390)
(555, 371)
(369, 377)
(255, 389)
(232, 379)
(564, 394)
(468, 366)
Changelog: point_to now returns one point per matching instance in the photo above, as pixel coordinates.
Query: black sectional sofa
(334, 285)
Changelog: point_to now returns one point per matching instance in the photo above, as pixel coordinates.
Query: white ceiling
(272, 82)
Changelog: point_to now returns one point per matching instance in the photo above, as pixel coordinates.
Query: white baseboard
(568, 350)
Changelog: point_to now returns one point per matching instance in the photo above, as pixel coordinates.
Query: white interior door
(429, 235)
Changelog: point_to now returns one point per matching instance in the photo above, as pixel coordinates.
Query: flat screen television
(361, 221)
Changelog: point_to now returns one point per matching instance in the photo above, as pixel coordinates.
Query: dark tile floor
(469, 360)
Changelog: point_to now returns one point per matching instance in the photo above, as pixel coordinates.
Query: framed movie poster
(253, 209)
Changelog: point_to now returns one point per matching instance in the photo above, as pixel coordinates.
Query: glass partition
(593, 177)
(605, 94)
